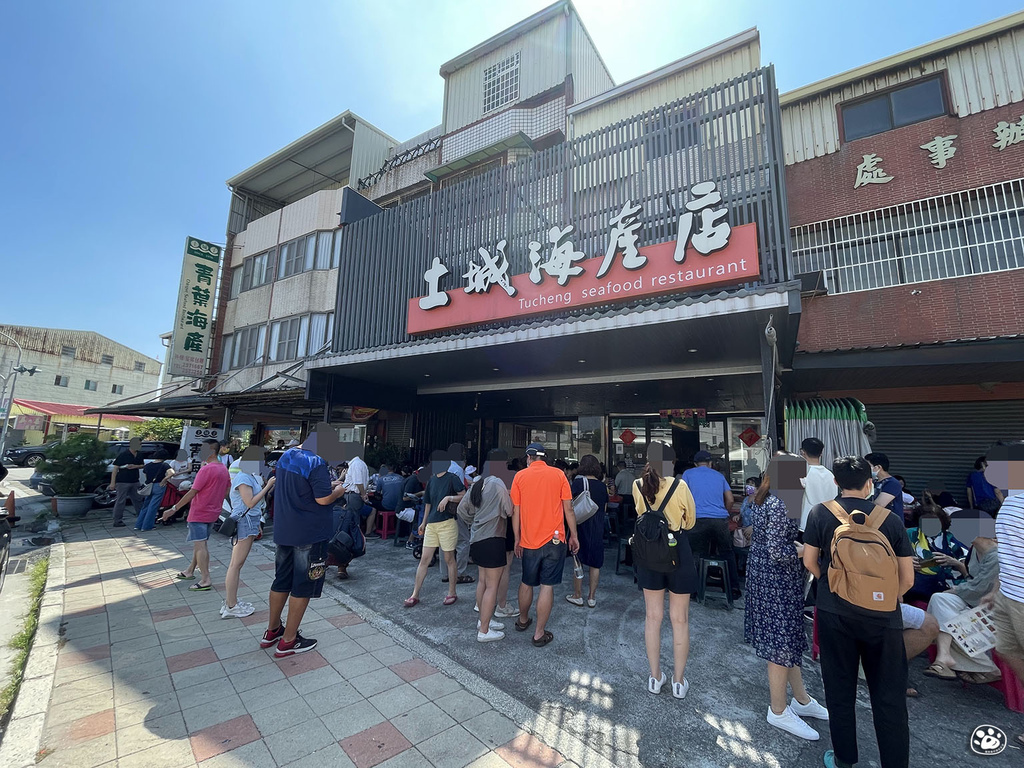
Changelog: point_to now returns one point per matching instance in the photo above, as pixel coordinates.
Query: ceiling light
(581, 361)
(426, 375)
(494, 369)
(691, 350)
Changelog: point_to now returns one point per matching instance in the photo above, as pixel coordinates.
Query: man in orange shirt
(541, 503)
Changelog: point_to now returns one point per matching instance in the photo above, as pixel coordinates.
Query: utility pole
(9, 398)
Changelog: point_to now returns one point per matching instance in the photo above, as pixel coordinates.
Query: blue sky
(121, 119)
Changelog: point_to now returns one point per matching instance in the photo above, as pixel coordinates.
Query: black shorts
(682, 581)
(489, 552)
(291, 570)
(510, 538)
(544, 566)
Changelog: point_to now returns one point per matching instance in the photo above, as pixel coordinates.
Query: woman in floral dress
(774, 622)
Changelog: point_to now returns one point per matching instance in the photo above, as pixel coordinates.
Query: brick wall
(822, 188)
(941, 310)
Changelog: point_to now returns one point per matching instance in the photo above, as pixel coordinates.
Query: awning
(519, 139)
(67, 409)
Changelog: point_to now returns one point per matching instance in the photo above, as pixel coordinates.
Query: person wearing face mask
(888, 491)
(742, 526)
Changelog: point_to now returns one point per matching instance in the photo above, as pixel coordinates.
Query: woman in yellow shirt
(650, 492)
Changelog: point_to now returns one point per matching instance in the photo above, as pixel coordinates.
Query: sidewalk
(130, 669)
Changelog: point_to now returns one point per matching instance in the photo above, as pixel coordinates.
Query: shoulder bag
(583, 506)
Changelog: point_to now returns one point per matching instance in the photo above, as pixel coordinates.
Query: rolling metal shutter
(934, 445)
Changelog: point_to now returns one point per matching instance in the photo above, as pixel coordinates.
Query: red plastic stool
(388, 523)
(1010, 685)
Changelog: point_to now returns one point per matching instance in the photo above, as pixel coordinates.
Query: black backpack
(650, 545)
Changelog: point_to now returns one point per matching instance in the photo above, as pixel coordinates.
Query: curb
(24, 732)
(571, 747)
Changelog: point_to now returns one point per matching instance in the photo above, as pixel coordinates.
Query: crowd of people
(789, 537)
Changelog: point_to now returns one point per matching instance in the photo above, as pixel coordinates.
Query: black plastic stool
(713, 562)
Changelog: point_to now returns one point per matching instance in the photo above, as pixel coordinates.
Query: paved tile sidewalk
(148, 674)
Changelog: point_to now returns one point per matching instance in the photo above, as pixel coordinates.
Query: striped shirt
(1010, 535)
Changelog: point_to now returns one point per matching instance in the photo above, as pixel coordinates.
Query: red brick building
(905, 185)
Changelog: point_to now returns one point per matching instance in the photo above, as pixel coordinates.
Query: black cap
(535, 449)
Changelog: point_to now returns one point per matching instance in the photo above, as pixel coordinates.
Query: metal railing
(964, 233)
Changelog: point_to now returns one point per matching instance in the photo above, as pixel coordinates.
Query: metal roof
(900, 59)
(745, 37)
(914, 345)
(324, 154)
(66, 409)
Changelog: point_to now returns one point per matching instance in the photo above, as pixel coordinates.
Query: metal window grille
(971, 232)
(501, 83)
(67, 352)
(140, 367)
(106, 359)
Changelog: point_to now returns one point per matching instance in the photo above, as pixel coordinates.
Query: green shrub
(81, 460)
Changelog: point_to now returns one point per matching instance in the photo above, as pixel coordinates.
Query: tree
(168, 430)
(79, 461)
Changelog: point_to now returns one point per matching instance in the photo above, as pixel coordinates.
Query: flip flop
(465, 579)
(524, 627)
(546, 638)
(450, 599)
(940, 672)
(411, 601)
(200, 588)
(181, 575)
(980, 678)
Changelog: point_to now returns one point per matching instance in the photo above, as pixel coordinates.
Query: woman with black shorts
(650, 492)
(486, 509)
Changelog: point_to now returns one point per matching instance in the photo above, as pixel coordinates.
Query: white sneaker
(654, 686)
(493, 625)
(679, 689)
(810, 709)
(789, 721)
(240, 611)
(507, 612)
(489, 637)
(575, 600)
(476, 608)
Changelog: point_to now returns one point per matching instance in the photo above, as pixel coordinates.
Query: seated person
(348, 542)
(741, 525)
(981, 572)
(980, 492)
(929, 534)
(920, 630)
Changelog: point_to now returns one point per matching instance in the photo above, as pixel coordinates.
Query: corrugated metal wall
(542, 63)
(934, 445)
(369, 151)
(729, 134)
(589, 75)
(694, 79)
(985, 75)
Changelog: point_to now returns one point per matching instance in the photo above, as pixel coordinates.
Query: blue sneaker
(830, 759)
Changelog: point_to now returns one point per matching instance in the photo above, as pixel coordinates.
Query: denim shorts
(544, 566)
(198, 531)
(291, 570)
(248, 525)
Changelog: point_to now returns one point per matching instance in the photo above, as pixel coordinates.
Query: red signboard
(737, 262)
(749, 436)
(627, 437)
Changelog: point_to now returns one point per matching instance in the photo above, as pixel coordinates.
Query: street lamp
(9, 399)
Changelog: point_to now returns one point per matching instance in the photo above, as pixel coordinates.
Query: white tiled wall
(534, 122)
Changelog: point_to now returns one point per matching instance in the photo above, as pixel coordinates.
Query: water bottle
(672, 540)
(577, 572)
(554, 539)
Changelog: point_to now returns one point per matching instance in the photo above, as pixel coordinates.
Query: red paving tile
(223, 737)
(303, 662)
(345, 620)
(414, 669)
(375, 745)
(527, 751)
(260, 617)
(71, 658)
(267, 566)
(191, 659)
(171, 613)
(90, 727)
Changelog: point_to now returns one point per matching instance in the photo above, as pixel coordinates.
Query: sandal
(980, 678)
(546, 638)
(181, 575)
(200, 588)
(411, 601)
(591, 603)
(524, 627)
(465, 579)
(450, 599)
(575, 600)
(940, 671)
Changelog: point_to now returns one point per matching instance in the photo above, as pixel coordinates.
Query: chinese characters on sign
(190, 341)
(940, 149)
(871, 172)
(558, 275)
(1008, 134)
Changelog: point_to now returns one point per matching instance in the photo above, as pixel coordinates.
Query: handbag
(145, 489)
(583, 506)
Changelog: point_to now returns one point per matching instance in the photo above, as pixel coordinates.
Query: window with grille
(501, 83)
(140, 367)
(117, 389)
(106, 359)
(60, 381)
(90, 385)
(288, 338)
(67, 352)
(911, 103)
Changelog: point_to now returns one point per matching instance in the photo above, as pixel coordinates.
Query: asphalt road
(592, 679)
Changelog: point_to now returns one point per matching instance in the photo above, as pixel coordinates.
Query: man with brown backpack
(862, 558)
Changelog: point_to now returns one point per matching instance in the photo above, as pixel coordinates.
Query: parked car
(104, 496)
(28, 455)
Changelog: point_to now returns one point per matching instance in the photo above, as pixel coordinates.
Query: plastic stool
(1010, 685)
(711, 562)
(388, 523)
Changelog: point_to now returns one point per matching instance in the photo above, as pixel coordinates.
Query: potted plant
(79, 462)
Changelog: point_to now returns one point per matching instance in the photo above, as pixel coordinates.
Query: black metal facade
(729, 134)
